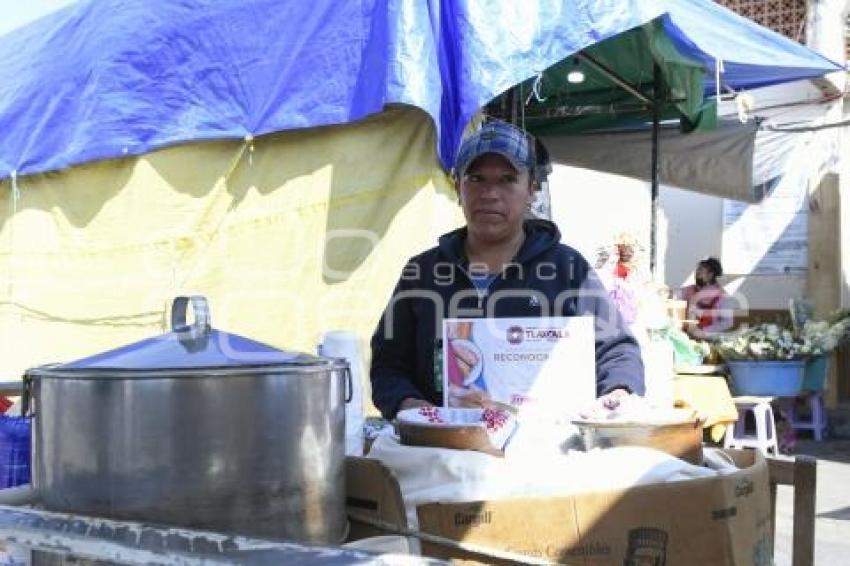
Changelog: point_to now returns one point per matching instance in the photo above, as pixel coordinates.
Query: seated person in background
(708, 303)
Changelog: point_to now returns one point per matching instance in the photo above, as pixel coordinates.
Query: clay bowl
(454, 437)
(680, 437)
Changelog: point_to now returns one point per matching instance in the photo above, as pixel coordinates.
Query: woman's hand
(471, 398)
(605, 404)
(413, 403)
(612, 399)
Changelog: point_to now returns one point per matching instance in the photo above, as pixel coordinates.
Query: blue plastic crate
(15, 442)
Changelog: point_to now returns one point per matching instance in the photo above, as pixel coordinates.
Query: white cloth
(428, 475)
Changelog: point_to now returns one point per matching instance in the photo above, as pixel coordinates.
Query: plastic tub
(814, 377)
(767, 378)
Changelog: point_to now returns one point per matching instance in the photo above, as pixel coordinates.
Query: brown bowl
(680, 439)
(454, 437)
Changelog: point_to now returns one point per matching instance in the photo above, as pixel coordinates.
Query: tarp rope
(535, 89)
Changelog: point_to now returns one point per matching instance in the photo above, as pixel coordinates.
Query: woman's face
(625, 252)
(703, 275)
(494, 197)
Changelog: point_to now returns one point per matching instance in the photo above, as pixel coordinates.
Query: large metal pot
(196, 428)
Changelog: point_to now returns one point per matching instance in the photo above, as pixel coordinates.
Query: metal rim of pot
(192, 336)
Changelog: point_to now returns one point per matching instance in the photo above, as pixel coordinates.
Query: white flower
(771, 342)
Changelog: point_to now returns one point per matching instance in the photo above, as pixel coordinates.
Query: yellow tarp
(288, 236)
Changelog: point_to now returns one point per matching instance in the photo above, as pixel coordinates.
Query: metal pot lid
(192, 346)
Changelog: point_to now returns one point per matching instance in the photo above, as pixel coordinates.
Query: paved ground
(832, 525)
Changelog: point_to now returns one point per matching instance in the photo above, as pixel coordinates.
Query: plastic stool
(817, 423)
(765, 436)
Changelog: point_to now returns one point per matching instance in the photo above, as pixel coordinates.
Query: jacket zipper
(482, 295)
(485, 292)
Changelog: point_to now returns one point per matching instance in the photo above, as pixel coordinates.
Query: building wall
(784, 16)
(828, 31)
(844, 212)
(828, 22)
(592, 208)
(695, 229)
(694, 232)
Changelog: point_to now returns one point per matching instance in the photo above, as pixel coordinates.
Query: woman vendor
(708, 303)
(496, 174)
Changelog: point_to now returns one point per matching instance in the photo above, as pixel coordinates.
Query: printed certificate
(542, 364)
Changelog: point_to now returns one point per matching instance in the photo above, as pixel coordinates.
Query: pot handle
(198, 330)
(26, 394)
(349, 385)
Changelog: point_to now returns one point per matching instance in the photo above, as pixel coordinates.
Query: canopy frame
(614, 77)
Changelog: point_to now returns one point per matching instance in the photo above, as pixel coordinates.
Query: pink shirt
(709, 305)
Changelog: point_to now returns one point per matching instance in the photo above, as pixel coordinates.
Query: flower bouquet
(764, 342)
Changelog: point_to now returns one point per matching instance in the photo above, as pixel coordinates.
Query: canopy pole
(612, 76)
(512, 101)
(656, 128)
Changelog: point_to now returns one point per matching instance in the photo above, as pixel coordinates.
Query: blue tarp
(752, 56)
(108, 78)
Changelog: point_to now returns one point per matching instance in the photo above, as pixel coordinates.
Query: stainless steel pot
(196, 428)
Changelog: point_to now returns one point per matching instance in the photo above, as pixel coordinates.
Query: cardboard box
(720, 520)
(371, 491)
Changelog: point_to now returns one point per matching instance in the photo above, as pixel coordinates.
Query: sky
(15, 13)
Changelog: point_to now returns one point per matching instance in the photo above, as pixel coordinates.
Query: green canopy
(626, 80)
(618, 87)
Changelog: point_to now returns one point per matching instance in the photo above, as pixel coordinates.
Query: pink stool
(817, 423)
